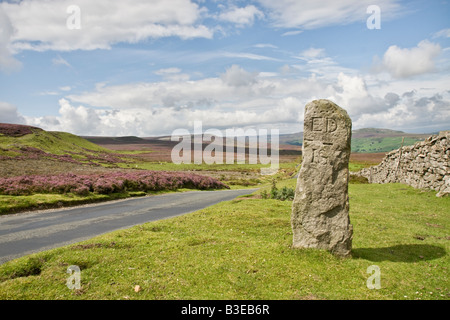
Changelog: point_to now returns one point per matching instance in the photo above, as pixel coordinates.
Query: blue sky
(147, 68)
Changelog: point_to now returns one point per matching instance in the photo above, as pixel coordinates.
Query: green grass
(12, 204)
(131, 152)
(52, 142)
(356, 166)
(384, 144)
(241, 249)
(170, 166)
(61, 143)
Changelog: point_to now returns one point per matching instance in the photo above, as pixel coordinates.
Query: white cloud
(444, 33)
(312, 53)
(412, 112)
(311, 14)
(166, 71)
(48, 93)
(241, 16)
(246, 55)
(172, 74)
(9, 114)
(60, 61)
(315, 61)
(286, 69)
(242, 98)
(404, 62)
(7, 61)
(265, 45)
(237, 77)
(236, 98)
(292, 33)
(153, 121)
(41, 25)
(234, 84)
(79, 119)
(352, 94)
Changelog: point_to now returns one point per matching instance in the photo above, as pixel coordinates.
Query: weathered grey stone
(320, 210)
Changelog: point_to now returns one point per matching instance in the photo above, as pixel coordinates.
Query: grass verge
(243, 176)
(13, 204)
(241, 250)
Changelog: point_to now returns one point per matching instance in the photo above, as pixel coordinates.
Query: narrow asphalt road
(29, 232)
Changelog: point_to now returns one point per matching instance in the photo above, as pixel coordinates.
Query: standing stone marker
(320, 208)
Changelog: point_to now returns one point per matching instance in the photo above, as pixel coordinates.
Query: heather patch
(22, 143)
(94, 159)
(114, 182)
(16, 130)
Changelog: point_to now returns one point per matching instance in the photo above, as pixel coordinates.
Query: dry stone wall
(425, 165)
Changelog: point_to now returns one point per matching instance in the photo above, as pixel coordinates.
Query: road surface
(29, 232)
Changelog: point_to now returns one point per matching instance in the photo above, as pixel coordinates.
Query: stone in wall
(425, 165)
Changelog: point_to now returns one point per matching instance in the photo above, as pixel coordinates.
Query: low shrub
(358, 179)
(114, 182)
(282, 194)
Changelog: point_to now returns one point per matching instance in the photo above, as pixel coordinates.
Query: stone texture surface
(424, 165)
(320, 210)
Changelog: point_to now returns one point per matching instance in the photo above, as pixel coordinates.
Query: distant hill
(115, 140)
(27, 142)
(376, 133)
(160, 148)
(17, 130)
(295, 139)
(368, 140)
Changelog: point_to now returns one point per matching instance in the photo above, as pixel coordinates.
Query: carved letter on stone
(320, 210)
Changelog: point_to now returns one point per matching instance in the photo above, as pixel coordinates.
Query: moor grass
(241, 249)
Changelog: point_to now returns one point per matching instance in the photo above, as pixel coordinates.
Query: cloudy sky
(146, 68)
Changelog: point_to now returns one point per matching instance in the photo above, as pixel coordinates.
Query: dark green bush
(282, 194)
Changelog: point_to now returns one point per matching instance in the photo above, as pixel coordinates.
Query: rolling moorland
(368, 140)
(240, 249)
